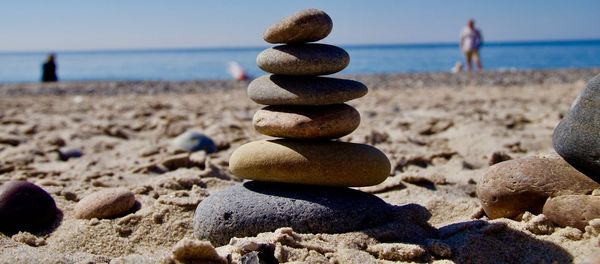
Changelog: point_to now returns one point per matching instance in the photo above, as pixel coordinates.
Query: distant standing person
(470, 42)
(49, 69)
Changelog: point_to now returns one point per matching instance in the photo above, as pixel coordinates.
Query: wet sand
(440, 131)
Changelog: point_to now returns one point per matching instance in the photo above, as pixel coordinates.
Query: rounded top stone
(305, 26)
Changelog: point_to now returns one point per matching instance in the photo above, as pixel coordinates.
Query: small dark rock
(193, 141)
(177, 161)
(259, 257)
(498, 157)
(70, 196)
(25, 207)
(8, 139)
(56, 141)
(66, 153)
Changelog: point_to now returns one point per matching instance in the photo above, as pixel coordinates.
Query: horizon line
(356, 45)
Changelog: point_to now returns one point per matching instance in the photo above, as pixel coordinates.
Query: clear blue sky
(45, 25)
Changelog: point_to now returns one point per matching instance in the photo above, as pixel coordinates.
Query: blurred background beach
(137, 40)
(211, 63)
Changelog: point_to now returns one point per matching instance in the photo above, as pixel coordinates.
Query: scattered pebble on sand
(106, 203)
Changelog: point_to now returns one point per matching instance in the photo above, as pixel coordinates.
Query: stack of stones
(300, 180)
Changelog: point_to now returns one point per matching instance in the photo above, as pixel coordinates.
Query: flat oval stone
(512, 187)
(25, 206)
(304, 90)
(66, 153)
(305, 26)
(572, 210)
(255, 207)
(328, 163)
(303, 59)
(108, 203)
(307, 122)
(192, 141)
(576, 136)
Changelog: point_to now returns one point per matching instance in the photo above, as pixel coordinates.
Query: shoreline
(373, 81)
(258, 47)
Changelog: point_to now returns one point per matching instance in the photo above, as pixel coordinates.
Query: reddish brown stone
(572, 210)
(307, 122)
(512, 187)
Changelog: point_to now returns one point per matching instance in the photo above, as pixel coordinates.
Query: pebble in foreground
(107, 203)
(556, 185)
(512, 187)
(576, 136)
(255, 207)
(25, 207)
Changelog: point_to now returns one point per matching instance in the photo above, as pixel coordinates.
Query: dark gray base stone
(576, 136)
(255, 207)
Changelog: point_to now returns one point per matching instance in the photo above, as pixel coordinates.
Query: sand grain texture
(439, 131)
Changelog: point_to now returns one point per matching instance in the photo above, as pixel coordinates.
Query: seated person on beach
(237, 71)
(470, 42)
(458, 67)
(49, 70)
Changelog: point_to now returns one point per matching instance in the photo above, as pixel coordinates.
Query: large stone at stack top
(305, 26)
(303, 59)
(576, 137)
(306, 122)
(304, 90)
(328, 163)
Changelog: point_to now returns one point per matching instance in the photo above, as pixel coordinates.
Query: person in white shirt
(470, 43)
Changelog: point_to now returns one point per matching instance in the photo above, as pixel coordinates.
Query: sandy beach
(440, 131)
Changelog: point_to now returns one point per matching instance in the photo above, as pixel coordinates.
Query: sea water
(212, 63)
